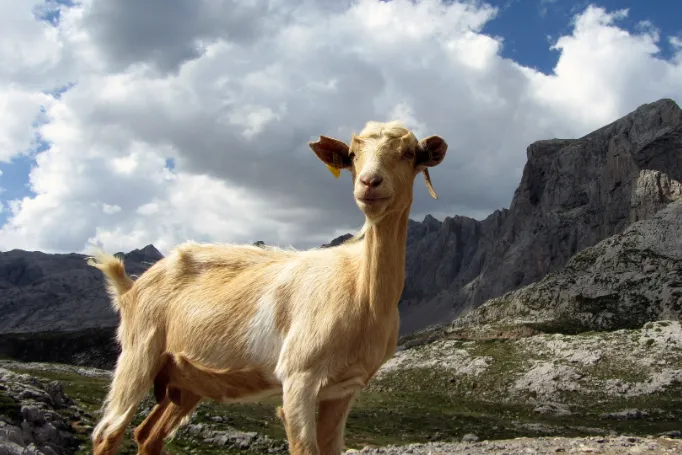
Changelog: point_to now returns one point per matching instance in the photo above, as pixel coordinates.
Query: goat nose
(371, 180)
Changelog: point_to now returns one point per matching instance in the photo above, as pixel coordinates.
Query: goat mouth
(369, 200)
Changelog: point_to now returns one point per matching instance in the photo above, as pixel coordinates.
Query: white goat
(241, 322)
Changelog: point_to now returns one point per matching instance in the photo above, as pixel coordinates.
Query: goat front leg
(298, 412)
(331, 423)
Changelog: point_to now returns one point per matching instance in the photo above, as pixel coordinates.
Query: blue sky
(147, 127)
(530, 27)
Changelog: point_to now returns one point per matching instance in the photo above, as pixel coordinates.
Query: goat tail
(118, 281)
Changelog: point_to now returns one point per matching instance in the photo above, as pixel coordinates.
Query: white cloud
(604, 71)
(110, 209)
(233, 99)
(19, 109)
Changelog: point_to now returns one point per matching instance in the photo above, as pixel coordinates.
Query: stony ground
(599, 392)
(620, 364)
(619, 445)
(36, 417)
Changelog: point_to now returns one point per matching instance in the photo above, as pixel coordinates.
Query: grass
(9, 407)
(421, 404)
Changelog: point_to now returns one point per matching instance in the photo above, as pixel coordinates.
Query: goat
(242, 322)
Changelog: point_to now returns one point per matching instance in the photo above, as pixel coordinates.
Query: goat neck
(383, 265)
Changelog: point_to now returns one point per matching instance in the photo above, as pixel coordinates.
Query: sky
(126, 123)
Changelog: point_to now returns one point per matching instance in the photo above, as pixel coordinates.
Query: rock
(35, 427)
(525, 446)
(11, 433)
(545, 379)
(195, 429)
(12, 448)
(56, 392)
(676, 434)
(234, 439)
(554, 409)
(627, 414)
(32, 415)
(337, 241)
(46, 434)
(469, 438)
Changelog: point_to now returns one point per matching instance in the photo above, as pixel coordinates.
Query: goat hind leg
(163, 421)
(150, 425)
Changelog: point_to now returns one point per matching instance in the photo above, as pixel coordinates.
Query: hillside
(54, 292)
(601, 390)
(622, 282)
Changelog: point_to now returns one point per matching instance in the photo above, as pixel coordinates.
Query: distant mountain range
(574, 193)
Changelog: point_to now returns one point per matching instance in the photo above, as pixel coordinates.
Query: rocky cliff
(622, 282)
(573, 194)
(51, 292)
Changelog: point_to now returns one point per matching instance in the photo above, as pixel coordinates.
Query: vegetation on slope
(624, 382)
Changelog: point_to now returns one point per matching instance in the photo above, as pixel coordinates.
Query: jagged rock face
(442, 257)
(576, 193)
(51, 292)
(573, 194)
(622, 282)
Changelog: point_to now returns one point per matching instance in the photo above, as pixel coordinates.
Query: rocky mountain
(51, 292)
(573, 194)
(622, 282)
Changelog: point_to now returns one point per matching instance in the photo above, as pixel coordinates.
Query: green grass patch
(419, 405)
(9, 407)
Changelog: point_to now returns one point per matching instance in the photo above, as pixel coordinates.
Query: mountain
(53, 292)
(573, 194)
(622, 282)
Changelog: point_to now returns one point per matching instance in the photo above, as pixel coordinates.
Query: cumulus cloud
(231, 92)
(19, 110)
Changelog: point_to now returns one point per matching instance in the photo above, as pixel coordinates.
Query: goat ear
(430, 152)
(334, 153)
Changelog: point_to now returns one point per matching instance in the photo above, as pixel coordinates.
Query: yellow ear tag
(335, 172)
